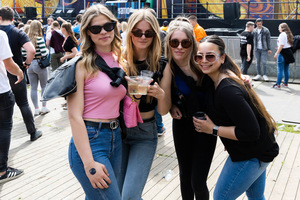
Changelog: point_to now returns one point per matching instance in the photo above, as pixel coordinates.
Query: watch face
(92, 171)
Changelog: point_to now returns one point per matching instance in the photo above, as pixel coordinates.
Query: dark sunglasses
(208, 57)
(186, 43)
(147, 34)
(109, 26)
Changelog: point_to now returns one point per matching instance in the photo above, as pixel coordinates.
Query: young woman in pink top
(96, 145)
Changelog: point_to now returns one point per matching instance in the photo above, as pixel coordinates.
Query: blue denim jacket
(265, 37)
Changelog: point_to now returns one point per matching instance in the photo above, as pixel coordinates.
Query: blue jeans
(7, 102)
(159, 123)
(261, 56)
(282, 67)
(106, 145)
(244, 176)
(139, 148)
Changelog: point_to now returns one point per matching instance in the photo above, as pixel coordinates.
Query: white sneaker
(265, 77)
(37, 112)
(257, 77)
(44, 110)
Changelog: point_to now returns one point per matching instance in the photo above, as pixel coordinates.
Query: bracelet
(136, 97)
(27, 64)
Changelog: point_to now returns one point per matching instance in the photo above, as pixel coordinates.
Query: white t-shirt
(5, 53)
(283, 40)
(259, 42)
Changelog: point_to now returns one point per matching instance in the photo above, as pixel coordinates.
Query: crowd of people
(191, 73)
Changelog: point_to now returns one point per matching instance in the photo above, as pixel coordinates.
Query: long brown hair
(182, 23)
(285, 28)
(230, 66)
(35, 30)
(68, 27)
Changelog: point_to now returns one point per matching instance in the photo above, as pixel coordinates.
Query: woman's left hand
(205, 126)
(247, 80)
(156, 91)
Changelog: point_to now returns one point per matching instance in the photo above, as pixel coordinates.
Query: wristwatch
(215, 131)
(92, 171)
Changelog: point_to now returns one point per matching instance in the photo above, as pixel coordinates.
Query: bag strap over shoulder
(117, 75)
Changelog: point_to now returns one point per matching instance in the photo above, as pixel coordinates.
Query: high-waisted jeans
(106, 146)
(244, 176)
(282, 67)
(139, 148)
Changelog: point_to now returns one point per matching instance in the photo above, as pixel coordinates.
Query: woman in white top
(284, 43)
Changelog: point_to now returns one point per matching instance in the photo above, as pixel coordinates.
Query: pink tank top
(101, 100)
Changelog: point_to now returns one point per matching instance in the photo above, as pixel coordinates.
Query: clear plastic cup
(200, 115)
(133, 85)
(146, 73)
(144, 82)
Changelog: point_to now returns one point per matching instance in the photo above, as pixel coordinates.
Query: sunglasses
(109, 26)
(147, 34)
(208, 57)
(186, 43)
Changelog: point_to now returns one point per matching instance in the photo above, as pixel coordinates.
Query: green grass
(287, 128)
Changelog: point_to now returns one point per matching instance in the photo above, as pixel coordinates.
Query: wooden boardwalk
(48, 176)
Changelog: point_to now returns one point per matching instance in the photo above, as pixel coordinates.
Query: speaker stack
(231, 11)
(30, 12)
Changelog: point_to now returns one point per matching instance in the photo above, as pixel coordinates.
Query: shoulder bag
(62, 83)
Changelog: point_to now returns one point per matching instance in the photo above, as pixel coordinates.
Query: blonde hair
(68, 27)
(154, 51)
(285, 28)
(182, 23)
(35, 30)
(88, 46)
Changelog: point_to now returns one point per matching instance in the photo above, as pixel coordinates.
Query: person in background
(239, 118)
(36, 74)
(47, 27)
(76, 29)
(284, 42)
(17, 40)
(165, 26)
(95, 149)
(55, 40)
(7, 108)
(70, 44)
(124, 26)
(246, 45)
(194, 151)
(143, 52)
(198, 30)
(262, 48)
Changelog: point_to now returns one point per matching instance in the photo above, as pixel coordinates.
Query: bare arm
(71, 55)
(14, 69)
(249, 46)
(28, 46)
(164, 104)
(80, 136)
(278, 51)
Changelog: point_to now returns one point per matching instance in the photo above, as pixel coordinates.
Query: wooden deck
(48, 176)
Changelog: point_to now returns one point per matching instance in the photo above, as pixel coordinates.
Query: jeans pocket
(92, 133)
(7, 100)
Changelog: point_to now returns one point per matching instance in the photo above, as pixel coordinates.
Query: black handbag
(62, 82)
(44, 62)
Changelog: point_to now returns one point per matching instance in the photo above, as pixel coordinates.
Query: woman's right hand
(101, 178)
(175, 112)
